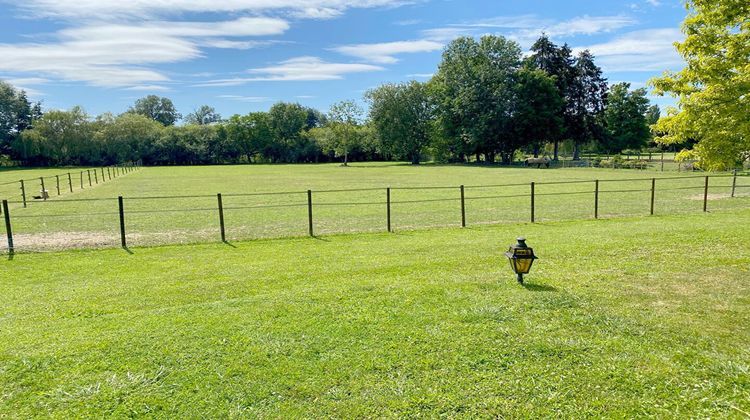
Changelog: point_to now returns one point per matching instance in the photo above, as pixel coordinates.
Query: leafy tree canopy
(402, 116)
(157, 108)
(712, 89)
(203, 116)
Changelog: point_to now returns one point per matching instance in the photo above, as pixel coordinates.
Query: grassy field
(422, 196)
(634, 317)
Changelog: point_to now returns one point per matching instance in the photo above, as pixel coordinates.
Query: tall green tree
(59, 138)
(249, 135)
(537, 116)
(557, 62)
(157, 108)
(203, 116)
(474, 94)
(288, 121)
(127, 137)
(17, 113)
(625, 119)
(587, 100)
(344, 121)
(712, 90)
(402, 116)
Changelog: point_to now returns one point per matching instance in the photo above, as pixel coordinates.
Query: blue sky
(244, 55)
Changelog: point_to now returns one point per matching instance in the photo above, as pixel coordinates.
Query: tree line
(486, 102)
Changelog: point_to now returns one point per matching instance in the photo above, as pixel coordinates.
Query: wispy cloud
(117, 55)
(646, 50)
(149, 9)
(384, 53)
(240, 98)
(296, 69)
(527, 28)
(420, 75)
(116, 43)
(148, 88)
(408, 22)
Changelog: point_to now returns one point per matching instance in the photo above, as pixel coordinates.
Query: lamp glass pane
(523, 265)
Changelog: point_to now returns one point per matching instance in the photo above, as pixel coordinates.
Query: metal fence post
(653, 194)
(8, 229)
(57, 180)
(734, 182)
(70, 182)
(44, 190)
(221, 218)
(103, 178)
(88, 171)
(662, 161)
(463, 208)
(23, 193)
(122, 222)
(309, 212)
(705, 196)
(109, 173)
(96, 178)
(388, 207)
(532, 203)
(596, 199)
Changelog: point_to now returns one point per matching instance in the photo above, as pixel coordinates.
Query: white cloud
(525, 29)
(240, 98)
(148, 88)
(27, 81)
(589, 25)
(420, 75)
(297, 69)
(383, 53)
(116, 55)
(408, 22)
(646, 50)
(318, 13)
(447, 33)
(117, 9)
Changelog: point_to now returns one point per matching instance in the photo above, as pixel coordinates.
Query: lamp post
(521, 257)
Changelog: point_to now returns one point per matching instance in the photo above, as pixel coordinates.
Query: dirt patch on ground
(699, 197)
(57, 241)
(63, 240)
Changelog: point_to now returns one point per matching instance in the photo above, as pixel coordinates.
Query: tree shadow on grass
(539, 287)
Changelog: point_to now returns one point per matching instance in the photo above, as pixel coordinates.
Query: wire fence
(657, 161)
(171, 219)
(45, 187)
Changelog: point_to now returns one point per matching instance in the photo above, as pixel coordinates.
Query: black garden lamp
(521, 258)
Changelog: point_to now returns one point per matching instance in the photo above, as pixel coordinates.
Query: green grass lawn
(623, 318)
(66, 221)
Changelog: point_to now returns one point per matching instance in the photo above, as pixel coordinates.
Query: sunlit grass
(637, 317)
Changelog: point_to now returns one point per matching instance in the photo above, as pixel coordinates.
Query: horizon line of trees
(486, 102)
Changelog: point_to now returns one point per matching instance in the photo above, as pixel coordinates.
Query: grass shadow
(229, 244)
(128, 250)
(539, 287)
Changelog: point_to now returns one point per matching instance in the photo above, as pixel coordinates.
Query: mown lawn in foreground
(620, 318)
